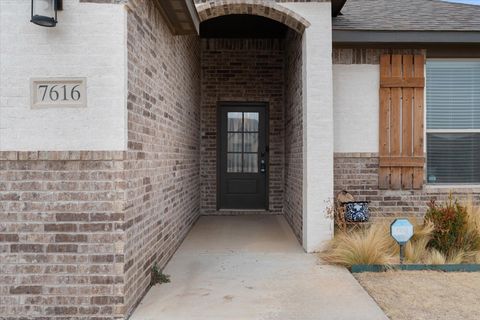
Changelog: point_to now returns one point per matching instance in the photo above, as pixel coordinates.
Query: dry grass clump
(417, 248)
(433, 256)
(366, 245)
(372, 244)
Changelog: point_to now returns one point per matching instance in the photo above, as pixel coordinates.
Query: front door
(243, 156)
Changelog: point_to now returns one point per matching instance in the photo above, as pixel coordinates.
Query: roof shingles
(407, 15)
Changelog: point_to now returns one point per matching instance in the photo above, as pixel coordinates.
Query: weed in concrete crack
(158, 276)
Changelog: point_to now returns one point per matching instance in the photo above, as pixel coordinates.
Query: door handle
(263, 167)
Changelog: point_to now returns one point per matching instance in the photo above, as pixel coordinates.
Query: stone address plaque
(58, 92)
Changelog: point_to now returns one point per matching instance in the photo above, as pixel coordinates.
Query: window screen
(453, 121)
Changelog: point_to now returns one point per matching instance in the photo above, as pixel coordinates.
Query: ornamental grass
(449, 234)
(366, 245)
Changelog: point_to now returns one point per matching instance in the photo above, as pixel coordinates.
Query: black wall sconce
(44, 12)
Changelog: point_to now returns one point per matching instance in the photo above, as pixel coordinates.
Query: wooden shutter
(402, 83)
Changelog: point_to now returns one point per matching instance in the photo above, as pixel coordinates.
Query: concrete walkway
(249, 268)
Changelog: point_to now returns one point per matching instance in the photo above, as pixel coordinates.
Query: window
(453, 121)
(243, 131)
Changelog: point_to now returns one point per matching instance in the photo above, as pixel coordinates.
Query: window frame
(427, 131)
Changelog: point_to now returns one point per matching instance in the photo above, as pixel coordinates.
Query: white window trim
(427, 184)
(453, 186)
(453, 131)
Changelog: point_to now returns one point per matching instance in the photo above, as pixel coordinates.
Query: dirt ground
(425, 294)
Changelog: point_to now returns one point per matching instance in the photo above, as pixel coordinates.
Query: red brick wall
(162, 165)
(293, 202)
(61, 235)
(241, 70)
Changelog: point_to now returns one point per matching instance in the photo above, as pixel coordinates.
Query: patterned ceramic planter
(357, 211)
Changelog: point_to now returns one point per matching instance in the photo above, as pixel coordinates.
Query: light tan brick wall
(365, 55)
(61, 235)
(162, 165)
(293, 199)
(358, 174)
(242, 70)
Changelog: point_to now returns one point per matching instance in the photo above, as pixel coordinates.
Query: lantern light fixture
(44, 12)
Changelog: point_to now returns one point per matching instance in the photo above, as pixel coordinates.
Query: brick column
(318, 122)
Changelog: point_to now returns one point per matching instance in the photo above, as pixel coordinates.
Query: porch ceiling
(242, 26)
(181, 16)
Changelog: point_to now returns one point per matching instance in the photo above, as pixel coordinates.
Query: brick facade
(293, 199)
(361, 55)
(358, 174)
(162, 164)
(81, 230)
(242, 70)
(62, 235)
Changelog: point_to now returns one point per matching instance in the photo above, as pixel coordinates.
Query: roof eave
(181, 15)
(356, 37)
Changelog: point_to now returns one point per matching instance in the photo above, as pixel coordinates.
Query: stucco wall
(356, 100)
(356, 107)
(89, 41)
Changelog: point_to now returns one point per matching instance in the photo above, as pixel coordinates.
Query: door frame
(227, 104)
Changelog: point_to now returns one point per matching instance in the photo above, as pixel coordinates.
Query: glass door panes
(242, 142)
(250, 121)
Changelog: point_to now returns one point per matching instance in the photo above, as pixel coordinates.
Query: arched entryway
(252, 110)
(280, 71)
(267, 9)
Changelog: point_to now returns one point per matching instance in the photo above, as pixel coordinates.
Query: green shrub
(451, 232)
(158, 276)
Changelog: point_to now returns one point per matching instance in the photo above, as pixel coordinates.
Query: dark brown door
(243, 156)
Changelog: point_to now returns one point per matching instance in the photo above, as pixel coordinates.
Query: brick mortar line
(356, 155)
(62, 155)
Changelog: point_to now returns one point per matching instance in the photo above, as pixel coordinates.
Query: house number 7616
(58, 92)
(62, 92)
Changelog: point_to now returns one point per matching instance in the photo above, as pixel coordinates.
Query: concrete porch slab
(252, 267)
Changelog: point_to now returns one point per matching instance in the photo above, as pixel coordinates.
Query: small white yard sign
(401, 230)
